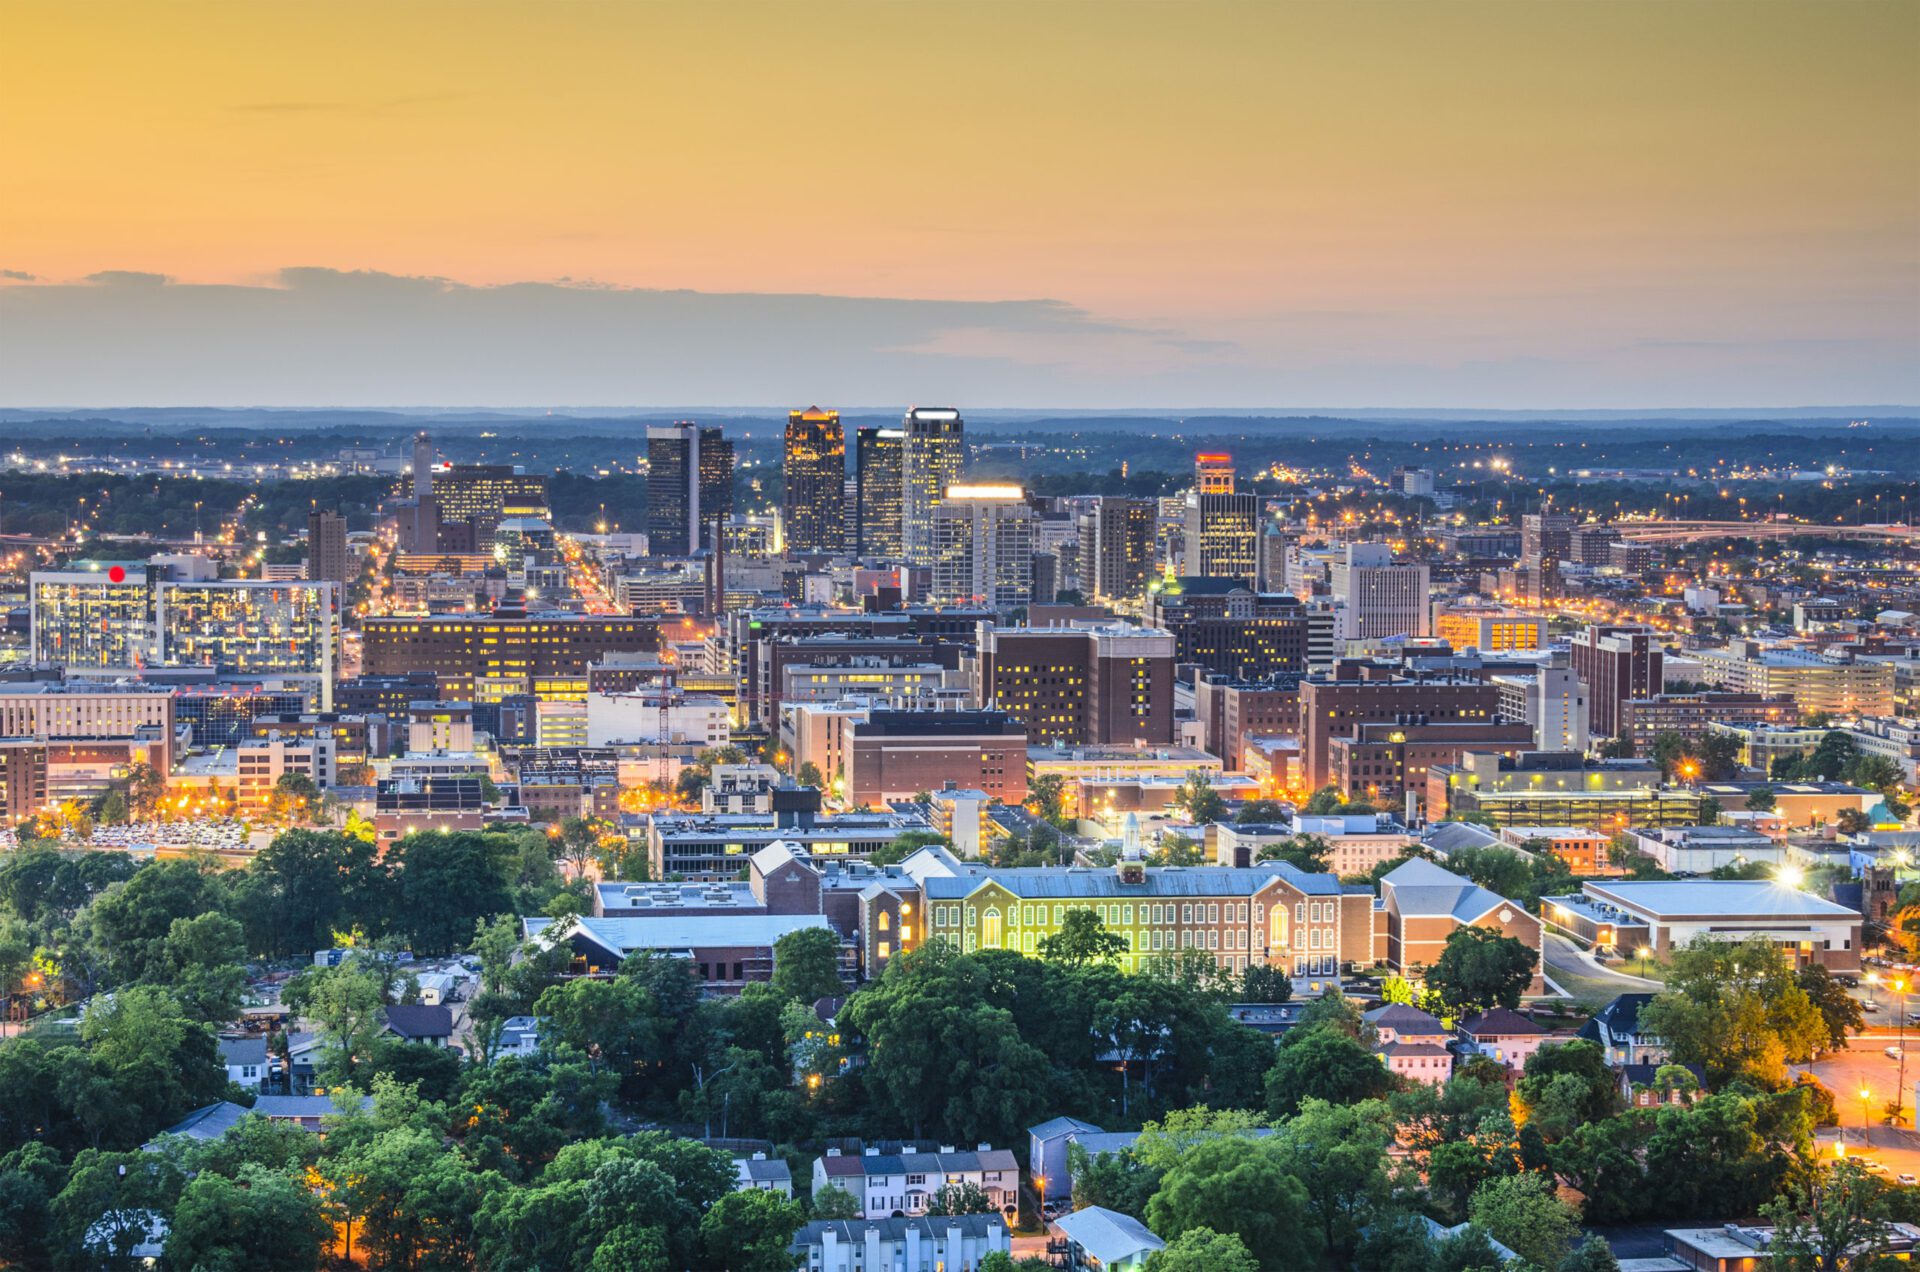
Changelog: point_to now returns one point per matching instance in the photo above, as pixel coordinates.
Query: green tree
(1082, 939)
(960, 1197)
(1203, 1250)
(1325, 800)
(751, 1231)
(1323, 1064)
(1302, 852)
(1479, 968)
(1760, 799)
(307, 885)
(200, 959)
(260, 1218)
(1047, 799)
(810, 775)
(1202, 804)
(349, 1003)
(1737, 1010)
(830, 1201)
(157, 1061)
(1264, 983)
(1240, 1187)
(1118, 1181)
(1834, 1218)
(1522, 1213)
(1840, 1010)
(1338, 1152)
(806, 965)
(129, 922)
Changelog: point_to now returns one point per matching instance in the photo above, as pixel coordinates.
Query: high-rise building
(689, 486)
(1545, 537)
(1222, 528)
(878, 508)
(932, 454)
(1116, 549)
(96, 619)
(1213, 473)
(251, 627)
(481, 496)
(420, 518)
(1360, 693)
(982, 545)
(1095, 684)
(1617, 662)
(816, 472)
(1229, 629)
(1377, 597)
(483, 658)
(327, 559)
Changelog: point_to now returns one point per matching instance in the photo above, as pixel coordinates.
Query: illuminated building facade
(1116, 549)
(878, 493)
(816, 481)
(932, 455)
(247, 627)
(96, 619)
(1097, 684)
(982, 545)
(487, 657)
(689, 486)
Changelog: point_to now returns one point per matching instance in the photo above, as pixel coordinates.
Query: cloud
(314, 336)
(18, 275)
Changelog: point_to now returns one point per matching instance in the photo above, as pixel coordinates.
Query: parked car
(1893, 1053)
(1909, 1180)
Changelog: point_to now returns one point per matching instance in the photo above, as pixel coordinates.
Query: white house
(902, 1183)
(1108, 1240)
(760, 1171)
(956, 1243)
(246, 1061)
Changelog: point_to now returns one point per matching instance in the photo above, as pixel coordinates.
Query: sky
(1589, 203)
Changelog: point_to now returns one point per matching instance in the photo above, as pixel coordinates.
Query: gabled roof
(416, 1020)
(1108, 1235)
(1060, 1126)
(209, 1122)
(1622, 1015)
(1499, 1023)
(243, 1051)
(1422, 888)
(1402, 1018)
(1055, 883)
(622, 935)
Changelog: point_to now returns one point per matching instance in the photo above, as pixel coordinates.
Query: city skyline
(1220, 204)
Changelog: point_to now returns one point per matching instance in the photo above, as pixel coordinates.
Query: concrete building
(981, 544)
(1559, 789)
(1617, 662)
(1666, 916)
(659, 715)
(328, 560)
(1088, 683)
(1377, 598)
(1825, 682)
(483, 658)
(1489, 628)
(1692, 716)
(1116, 549)
(1222, 527)
(1231, 712)
(1229, 629)
(892, 755)
(1552, 700)
(1698, 850)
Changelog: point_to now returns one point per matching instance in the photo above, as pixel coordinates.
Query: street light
(1865, 1096)
(1873, 980)
(1900, 1083)
(1646, 952)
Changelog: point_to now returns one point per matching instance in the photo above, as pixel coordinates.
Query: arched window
(886, 920)
(1277, 928)
(990, 929)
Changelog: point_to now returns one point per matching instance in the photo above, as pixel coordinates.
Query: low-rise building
(1667, 915)
(727, 951)
(1694, 850)
(1583, 850)
(905, 1182)
(954, 1243)
(768, 1174)
(1412, 1044)
(1503, 1036)
(1422, 905)
(1102, 1240)
(1559, 789)
(1616, 1027)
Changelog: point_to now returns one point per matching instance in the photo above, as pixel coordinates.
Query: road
(1588, 982)
(1864, 1065)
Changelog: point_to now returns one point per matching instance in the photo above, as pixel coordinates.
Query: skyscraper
(689, 486)
(1116, 548)
(420, 519)
(327, 559)
(931, 457)
(877, 493)
(1378, 598)
(816, 471)
(1222, 528)
(982, 546)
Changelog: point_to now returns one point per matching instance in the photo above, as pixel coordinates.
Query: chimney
(873, 1245)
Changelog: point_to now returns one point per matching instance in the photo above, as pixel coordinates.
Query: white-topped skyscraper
(931, 458)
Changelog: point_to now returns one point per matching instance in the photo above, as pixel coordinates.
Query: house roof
(623, 935)
(1053, 883)
(764, 1168)
(1420, 887)
(1621, 1016)
(209, 1122)
(1108, 1235)
(1500, 1022)
(1402, 1018)
(1059, 1126)
(860, 1164)
(416, 1020)
(853, 1232)
(243, 1051)
(1413, 1049)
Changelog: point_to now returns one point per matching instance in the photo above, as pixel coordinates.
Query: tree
(201, 960)
(1591, 1255)
(307, 885)
(961, 1197)
(1480, 968)
(1834, 1219)
(751, 1231)
(1259, 812)
(129, 922)
(1323, 1064)
(1240, 1187)
(1302, 852)
(1203, 1250)
(1337, 1153)
(349, 1003)
(806, 965)
(295, 796)
(1760, 800)
(260, 1218)
(1522, 1213)
(1737, 1010)
(1325, 800)
(1046, 799)
(1117, 1181)
(1083, 939)
(830, 1201)
(1263, 983)
(1202, 804)
(1566, 1085)
(1840, 1010)
(810, 775)
(448, 881)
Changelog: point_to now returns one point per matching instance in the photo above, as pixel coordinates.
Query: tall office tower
(1377, 597)
(1617, 662)
(1274, 543)
(327, 559)
(689, 486)
(420, 519)
(1222, 528)
(93, 619)
(481, 496)
(1213, 473)
(931, 456)
(1116, 549)
(982, 546)
(1546, 537)
(878, 493)
(816, 474)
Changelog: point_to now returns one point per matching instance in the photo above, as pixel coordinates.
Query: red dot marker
(118, 574)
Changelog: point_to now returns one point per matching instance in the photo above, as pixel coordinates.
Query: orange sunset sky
(1043, 203)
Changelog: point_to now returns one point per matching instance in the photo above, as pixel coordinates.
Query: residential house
(762, 1172)
(1106, 1241)
(1640, 1085)
(416, 1022)
(1047, 1153)
(956, 1243)
(246, 1062)
(1616, 1027)
(902, 1184)
(1504, 1036)
(1412, 1043)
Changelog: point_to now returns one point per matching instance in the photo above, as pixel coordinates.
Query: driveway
(1588, 982)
